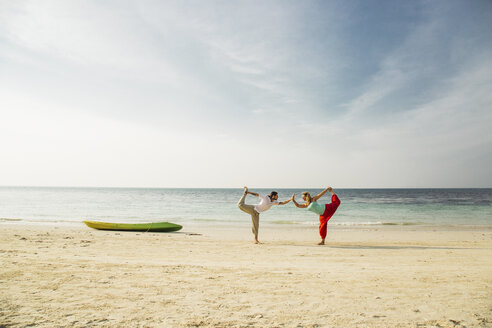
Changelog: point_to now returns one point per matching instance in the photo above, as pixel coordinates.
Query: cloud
(383, 95)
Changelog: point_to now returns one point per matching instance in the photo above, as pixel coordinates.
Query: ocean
(359, 207)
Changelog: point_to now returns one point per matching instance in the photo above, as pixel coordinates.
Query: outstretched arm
(330, 189)
(285, 201)
(297, 204)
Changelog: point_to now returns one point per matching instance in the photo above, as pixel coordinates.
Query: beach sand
(384, 276)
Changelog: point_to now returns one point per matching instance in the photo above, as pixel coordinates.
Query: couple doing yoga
(325, 211)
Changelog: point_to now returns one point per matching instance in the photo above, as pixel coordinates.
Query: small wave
(352, 223)
(376, 223)
(28, 220)
(292, 222)
(211, 220)
(482, 202)
(401, 223)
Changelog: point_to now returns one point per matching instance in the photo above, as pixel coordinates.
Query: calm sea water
(39, 205)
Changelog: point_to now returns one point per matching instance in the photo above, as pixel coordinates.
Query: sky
(349, 94)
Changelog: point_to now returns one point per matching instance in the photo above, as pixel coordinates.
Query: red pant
(330, 209)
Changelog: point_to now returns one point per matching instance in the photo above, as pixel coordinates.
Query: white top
(264, 204)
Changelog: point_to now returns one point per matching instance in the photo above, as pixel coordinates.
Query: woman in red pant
(325, 211)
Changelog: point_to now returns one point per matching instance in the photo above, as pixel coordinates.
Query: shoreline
(245, 222)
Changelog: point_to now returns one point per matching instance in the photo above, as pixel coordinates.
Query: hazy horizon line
(231, 188)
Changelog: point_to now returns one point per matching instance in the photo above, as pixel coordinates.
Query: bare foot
(321, 242)
(257, 242)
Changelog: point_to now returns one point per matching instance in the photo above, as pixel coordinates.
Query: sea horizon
(232, 188)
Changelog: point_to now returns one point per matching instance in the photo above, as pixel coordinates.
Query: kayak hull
(151, 227)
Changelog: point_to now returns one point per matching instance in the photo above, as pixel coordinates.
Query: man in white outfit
(266, 201)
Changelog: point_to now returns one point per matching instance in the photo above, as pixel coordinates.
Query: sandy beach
(385, 276)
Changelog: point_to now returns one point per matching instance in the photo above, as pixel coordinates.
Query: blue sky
(258, 93)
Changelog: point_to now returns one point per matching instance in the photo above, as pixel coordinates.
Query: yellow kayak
(153, 227)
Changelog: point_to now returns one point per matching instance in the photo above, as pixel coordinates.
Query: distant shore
(213, 276)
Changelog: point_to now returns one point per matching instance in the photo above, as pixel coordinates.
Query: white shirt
(264, 204)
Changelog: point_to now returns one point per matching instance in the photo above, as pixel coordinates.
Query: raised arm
(315, 198)
(296, 204)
